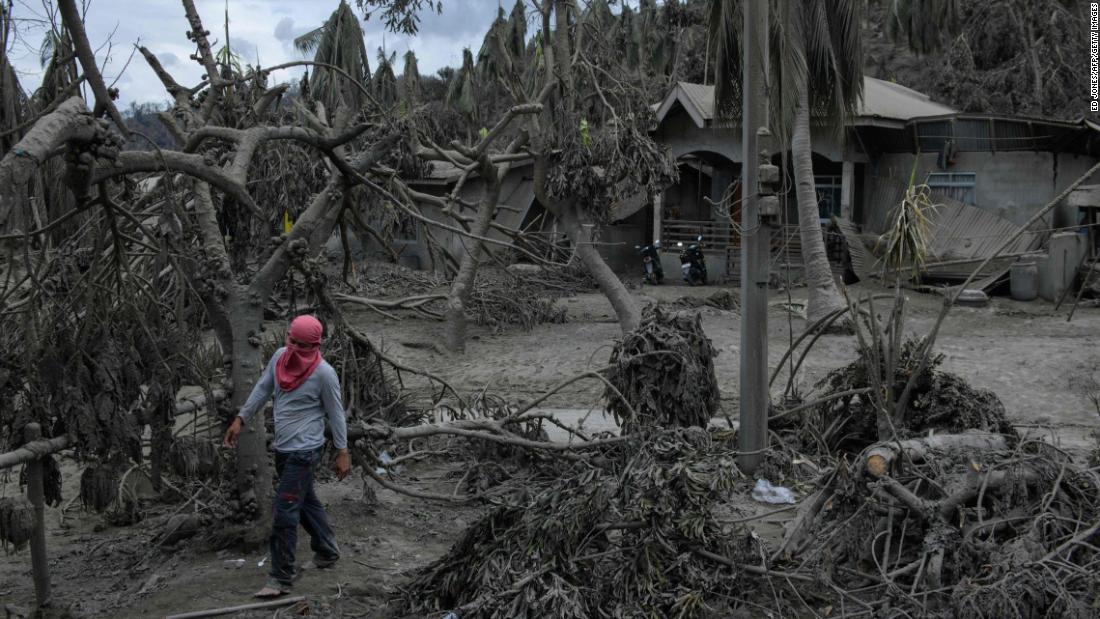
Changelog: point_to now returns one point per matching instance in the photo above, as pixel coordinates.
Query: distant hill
(142, 118)
(989, 65)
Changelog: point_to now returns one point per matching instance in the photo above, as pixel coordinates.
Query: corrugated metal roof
(888, 100)
(880, 100)
(701, 96)
(962, 236)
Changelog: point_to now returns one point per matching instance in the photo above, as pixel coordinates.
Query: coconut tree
(338, 42)
(582, 163)
(384, 82)
(503, 52)
(816, 70)
(410, 81)
(462, 93)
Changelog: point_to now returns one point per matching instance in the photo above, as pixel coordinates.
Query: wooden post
(658, 200)
(847, 185)
(40, 567)
(755, 244)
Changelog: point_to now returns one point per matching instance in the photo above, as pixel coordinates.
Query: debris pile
(941, 401)
(958, 525)
(526, 296)
(665, 371)
(634, 535)
(723, 299)
(523, 300)
(16, 521)
(391, 280)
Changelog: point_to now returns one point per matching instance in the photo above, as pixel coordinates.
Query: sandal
(273, 589)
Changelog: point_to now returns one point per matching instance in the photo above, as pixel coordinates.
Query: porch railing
(716, 234)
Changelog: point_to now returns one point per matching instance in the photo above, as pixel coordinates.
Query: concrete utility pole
(755, 239)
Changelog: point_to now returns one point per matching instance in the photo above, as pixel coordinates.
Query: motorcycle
(651, 261)
(692, 263)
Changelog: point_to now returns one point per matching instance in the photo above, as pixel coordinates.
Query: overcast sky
(260, 29)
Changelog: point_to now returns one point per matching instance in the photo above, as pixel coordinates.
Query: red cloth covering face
(296, 365)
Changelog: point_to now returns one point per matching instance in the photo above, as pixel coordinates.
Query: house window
(828, 196)
(955, 185)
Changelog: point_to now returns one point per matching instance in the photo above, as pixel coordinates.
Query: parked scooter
(692, 263)
(651, 262)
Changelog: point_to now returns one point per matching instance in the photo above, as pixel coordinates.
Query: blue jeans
(295, 502)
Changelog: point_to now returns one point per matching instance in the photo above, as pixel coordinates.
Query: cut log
(878, 459)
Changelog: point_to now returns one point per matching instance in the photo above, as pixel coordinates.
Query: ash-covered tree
(816, 71)
(226, 125)
(344, 71)
(585, 132)
(1004, 56)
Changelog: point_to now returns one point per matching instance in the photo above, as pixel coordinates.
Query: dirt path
(1042, 368)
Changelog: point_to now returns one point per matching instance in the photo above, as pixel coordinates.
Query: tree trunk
(824, 296)
(564, 62)
(253, 473)
(455, 330)
(626, 308)
(1027, 34)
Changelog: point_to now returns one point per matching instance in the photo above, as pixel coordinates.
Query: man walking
(306, 391)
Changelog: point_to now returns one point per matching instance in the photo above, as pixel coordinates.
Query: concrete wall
(1013, 185)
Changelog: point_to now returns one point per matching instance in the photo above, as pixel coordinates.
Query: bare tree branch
(70, 16)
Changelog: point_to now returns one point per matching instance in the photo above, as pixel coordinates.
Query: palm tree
(55, 57)
(462, 93)
(384, 82)
(410, 81)
(338, 42)
(816, 65)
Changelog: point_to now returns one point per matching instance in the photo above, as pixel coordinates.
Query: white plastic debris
(234, 564)
(765, 492)
(385, 459)
(450, 616)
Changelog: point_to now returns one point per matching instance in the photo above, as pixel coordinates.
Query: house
(1007, 166)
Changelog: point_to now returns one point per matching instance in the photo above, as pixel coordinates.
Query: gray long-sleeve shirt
(300, 414)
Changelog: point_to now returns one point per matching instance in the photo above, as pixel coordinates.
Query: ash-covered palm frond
(309, 41)
(502, 56)
(924, 24)
(493, 59)
(339, 42)
(384, 82)
(229, 60)
(813, 45)
(60, 68)
(410, 80)
(725, 32)
(907, 240)
(517, 30)
(462, 92)
(626, 39)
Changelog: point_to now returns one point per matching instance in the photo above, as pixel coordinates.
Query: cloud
(244, 48)
(267, 27)
(284, 30)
